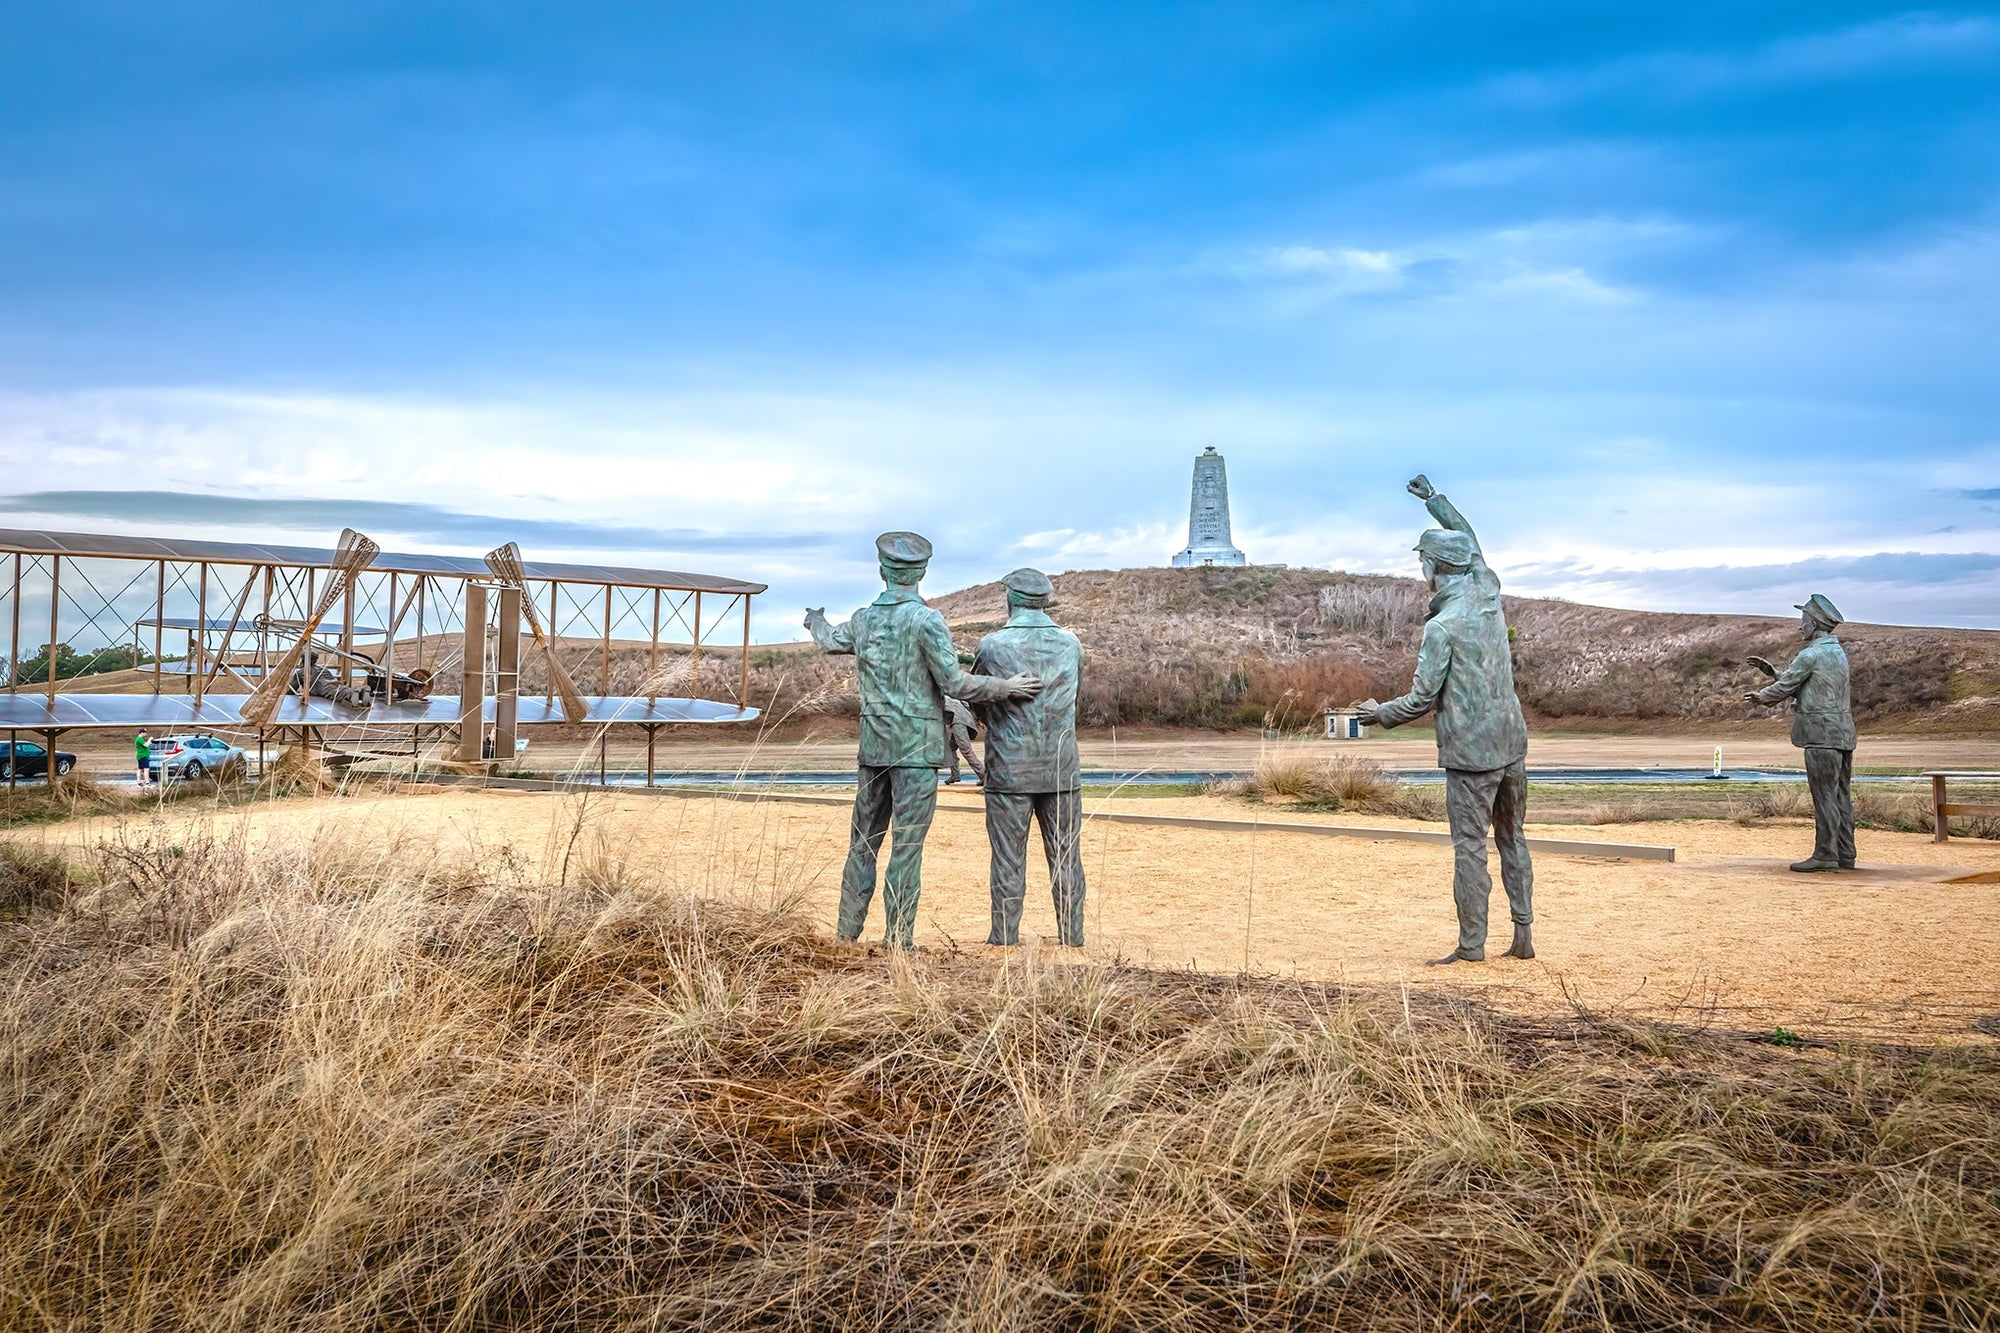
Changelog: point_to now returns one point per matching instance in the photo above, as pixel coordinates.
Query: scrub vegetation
(1304, 777)
(1271, 648)
(75, 795)
(1227, 647)
(326, 1087)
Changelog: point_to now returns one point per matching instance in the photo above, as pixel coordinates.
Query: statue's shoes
(1812, 865)
(1847, 865)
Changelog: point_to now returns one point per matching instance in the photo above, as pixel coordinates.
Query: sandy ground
(1724, 936)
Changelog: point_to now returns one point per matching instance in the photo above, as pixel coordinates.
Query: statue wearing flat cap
(1032, 772)
(1823, 726)
(906, 666)
(1465, 671)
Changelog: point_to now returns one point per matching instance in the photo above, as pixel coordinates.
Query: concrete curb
(1544, 846)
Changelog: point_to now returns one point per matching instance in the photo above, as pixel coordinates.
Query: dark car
(29, 760)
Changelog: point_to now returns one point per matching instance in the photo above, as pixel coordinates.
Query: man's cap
(1028, 583)
(1452, 548)
(1821, 609)
(903, 548)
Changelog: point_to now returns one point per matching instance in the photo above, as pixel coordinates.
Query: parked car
(196, 757)
(29, 760)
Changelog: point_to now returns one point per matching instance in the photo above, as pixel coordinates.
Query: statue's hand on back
(1023, 686)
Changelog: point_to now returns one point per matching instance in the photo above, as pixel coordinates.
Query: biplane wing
(153, 712)
(246, 614)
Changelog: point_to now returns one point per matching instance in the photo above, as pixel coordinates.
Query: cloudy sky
(1690, 306)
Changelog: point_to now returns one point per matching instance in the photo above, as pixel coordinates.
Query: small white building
(1344, 724)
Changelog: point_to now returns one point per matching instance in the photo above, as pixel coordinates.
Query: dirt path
(1724, 935)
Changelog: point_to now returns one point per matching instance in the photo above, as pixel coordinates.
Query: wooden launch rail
(1942, 809)
(1542, 846)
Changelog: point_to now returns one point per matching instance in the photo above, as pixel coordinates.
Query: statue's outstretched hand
(1023, 686)
(1368, 715)
(1750, 696)
(1762, 665)
(1420, 486)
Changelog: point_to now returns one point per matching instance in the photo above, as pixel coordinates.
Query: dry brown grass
(1218, 647)
(317, 1090)
(1297, 775)
(32, 880)
(1788, 800)
(68, 797)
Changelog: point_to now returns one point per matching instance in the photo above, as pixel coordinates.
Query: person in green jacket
(1822, 726)
(1465, 671)
(906, 665)
(142, 754)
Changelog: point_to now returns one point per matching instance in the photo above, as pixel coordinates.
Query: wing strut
(505, 562)
(354, 554)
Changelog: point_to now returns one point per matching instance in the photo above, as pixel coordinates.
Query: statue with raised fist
(1465, 671)
(1823, 726)
(906, 666)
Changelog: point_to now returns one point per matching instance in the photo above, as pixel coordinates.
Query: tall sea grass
(322, 1087)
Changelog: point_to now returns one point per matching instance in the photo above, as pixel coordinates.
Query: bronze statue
(1822, 726)
(961, 729)
(1465, 670)
(1031, 760)
(905, 663)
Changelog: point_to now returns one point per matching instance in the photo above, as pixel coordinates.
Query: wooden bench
(1943, 810)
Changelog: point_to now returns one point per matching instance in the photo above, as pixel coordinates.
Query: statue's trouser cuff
(1830, 775)
(898, 803)
(1060, 814)
(1495, 799)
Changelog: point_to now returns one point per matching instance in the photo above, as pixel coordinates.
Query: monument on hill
(1208, 516)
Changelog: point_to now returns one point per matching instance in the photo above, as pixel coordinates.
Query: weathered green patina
(960, 729)
(1032, 770)
(906, 666)
(1465, 666)
(1823, 726)
(1465, 671)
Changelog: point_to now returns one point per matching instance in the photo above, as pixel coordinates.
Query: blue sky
(1690, 307)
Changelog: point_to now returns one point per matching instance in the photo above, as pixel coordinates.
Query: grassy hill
(1225, 647)
(1231, 647)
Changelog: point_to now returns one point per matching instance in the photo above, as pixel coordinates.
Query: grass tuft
(1297, 775)
(32, 880)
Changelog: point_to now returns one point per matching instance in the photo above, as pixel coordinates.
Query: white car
(196, 757)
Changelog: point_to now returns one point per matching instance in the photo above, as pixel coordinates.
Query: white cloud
(1548, 260)
(1913, 39)
(1120, 548)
